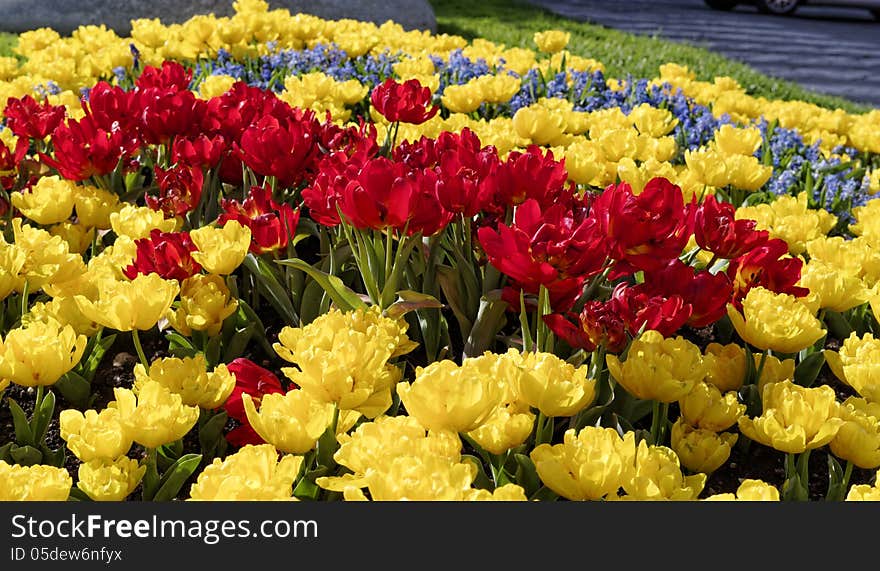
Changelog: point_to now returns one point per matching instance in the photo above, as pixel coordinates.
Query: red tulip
(165, 253)
(642, 309)
(523, 176)
(172, 76)
(598, 324)
(766, 267)
(180, 190)
(644, 231)
(272, 225)
(707, 294)
(284, 149)
(199, 151)
(383, 195)
(256, 381)
(407, 102)
(112, 108)
(9, 161)
(29, 119)
(717, 230)
(559, 249)
(83, 150)
(166, 114)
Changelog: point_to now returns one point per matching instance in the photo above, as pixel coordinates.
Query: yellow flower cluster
(790, 219)
(343, 359)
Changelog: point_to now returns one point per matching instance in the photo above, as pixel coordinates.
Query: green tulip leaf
(176, 476)
(268, 284)
(75, 389)
(344, 297)
(807, 370)
(408, 300)
(42, 417)
(23, 433)
(26, 455)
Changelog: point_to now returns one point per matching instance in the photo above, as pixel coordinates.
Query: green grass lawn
(7, 42)
(513, 23)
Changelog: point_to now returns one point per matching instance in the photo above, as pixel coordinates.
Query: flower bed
(277, 257)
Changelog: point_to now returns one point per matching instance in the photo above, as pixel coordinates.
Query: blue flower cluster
(269, 71)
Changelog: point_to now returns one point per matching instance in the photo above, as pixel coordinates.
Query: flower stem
(658, 422)
(761, 367)
(140, 350)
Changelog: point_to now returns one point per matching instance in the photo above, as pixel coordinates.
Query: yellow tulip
(48, 259)
(589, 465)
(387, 437)
(49, 201)
(732, 140)
(554, 387)
(40, 353)
(750, 490)
(137, 221)
(836, 290)
(252, 473)
(505, 493)
(94, 206)
(699, 449)
(204, 304)
(539, 125)
(444, 396)
(551, 41)
(507, 427)
(78, 237)
(221, 250)
(126, 305)
(36, 483)
(865, 492)
(775, 321)
(658, 369)
(705, 407)
(416, 478)
(154, 417)
(794, 418)
(725, 366)
(857, 363)
(110, 480)
(652, 121)
(858, 440)
(291, 422)
(657, 476)
(94, 435)
(189, 378)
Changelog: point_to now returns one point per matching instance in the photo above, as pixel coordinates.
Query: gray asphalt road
(829, 50)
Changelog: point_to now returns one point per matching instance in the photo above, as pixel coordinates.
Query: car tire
(778, 7)
(721, 4)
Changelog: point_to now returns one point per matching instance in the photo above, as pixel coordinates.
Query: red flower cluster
(407, 102)
(165, 253)
(272, 225)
